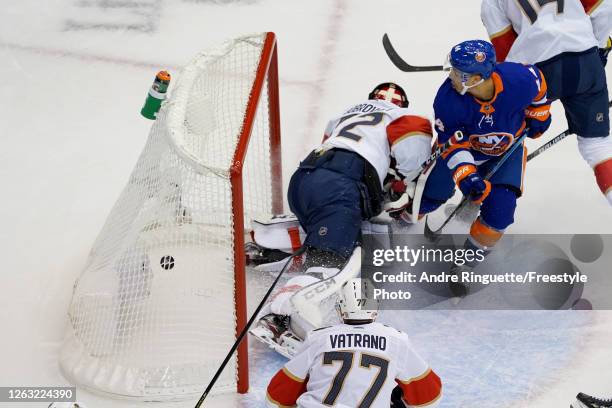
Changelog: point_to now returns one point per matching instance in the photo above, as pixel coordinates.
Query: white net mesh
(152, 315)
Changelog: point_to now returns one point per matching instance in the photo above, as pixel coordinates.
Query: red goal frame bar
(267, 69)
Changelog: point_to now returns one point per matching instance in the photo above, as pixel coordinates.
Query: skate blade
(265, 336)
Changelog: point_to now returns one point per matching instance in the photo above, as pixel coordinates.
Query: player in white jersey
(522, 32)
(355, 364)
(568, 40)
(340, 183)
(401, 134)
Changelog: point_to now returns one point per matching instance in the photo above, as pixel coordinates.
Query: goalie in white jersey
(568, 40)
(356, 364)
(340, 183)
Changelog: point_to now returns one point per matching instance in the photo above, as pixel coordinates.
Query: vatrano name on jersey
(344, 340)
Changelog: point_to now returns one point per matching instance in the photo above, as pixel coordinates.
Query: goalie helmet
(357, 301)
(390, 92)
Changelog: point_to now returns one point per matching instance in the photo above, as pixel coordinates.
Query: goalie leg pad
(280, 303)
(280, 232)
(307, 300)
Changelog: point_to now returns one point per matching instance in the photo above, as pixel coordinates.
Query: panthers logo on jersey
(492, 144)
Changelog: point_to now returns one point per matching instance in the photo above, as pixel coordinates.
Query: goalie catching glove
(400, 192)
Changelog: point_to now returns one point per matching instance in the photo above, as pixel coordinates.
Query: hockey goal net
(162, 295)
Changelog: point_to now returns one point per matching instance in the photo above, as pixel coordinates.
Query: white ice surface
(74, 75)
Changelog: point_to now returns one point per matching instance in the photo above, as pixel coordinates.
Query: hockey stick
(434, 236)
(548, 144)
(553, 142)
(246, 328)
(440, 150)
(424, 171)
(403, 65)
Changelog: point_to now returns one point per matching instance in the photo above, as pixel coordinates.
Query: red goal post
(267, 71)
(162, 296)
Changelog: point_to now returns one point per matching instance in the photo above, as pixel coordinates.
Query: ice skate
(273, 330)
(586, 401)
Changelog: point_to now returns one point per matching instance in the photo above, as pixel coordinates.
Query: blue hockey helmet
(473, 57)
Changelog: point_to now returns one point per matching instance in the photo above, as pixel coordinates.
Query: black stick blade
(403, 65)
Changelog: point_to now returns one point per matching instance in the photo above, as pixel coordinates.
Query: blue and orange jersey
(490, 127)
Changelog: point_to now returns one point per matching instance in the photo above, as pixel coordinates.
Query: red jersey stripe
(407, 125)
(422, 390)
(590, 5)
(502, 42)
(285, 388)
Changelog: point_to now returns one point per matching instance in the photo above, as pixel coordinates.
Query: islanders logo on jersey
(492, 144)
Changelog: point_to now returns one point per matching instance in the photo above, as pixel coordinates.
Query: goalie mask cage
(163, 292)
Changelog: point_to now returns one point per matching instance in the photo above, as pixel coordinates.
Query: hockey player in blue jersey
(569, 41)
(492, 104)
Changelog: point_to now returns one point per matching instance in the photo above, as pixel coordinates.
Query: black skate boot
(586, 401)
(458, 289)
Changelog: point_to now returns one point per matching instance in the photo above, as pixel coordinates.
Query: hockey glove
(401, 194)
(470, 183)
(537, 119)
(603, 52)
(537, 128)
(394, 184)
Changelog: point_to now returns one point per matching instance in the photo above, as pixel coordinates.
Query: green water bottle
(156, 95)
